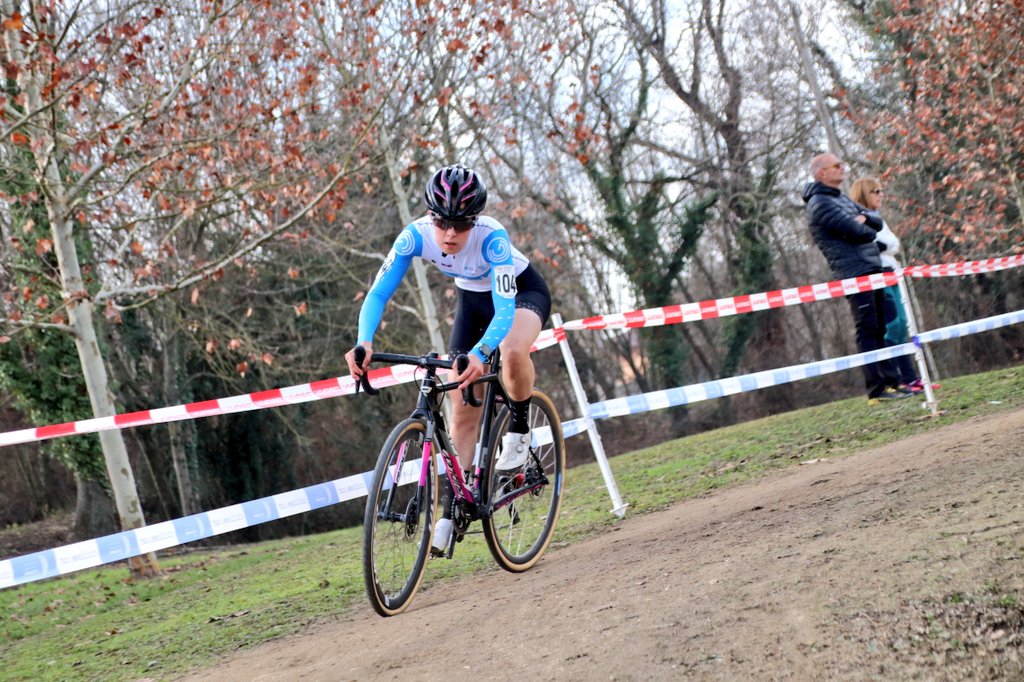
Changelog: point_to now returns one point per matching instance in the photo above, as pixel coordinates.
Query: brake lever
(468, 394)
(364, 380)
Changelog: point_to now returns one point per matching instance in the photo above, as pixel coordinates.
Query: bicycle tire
(518, 534)
(397, 526)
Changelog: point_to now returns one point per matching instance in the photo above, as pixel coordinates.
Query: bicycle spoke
(399, 516)
(519, 530)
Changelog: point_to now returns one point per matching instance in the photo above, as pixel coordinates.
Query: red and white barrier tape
(390, 376)
(318, 390)
(973, 267)
(735, 305)
(548, 338)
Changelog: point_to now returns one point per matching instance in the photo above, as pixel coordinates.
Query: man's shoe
(912, 388)
(442, 536)
(515, 451)
(888, 394)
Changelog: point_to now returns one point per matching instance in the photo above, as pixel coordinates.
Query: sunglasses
(462, 225)
(837, 165)
(878, 191)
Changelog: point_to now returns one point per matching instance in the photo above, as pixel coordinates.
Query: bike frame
(400, 519)
(428, 409)
(432, 390)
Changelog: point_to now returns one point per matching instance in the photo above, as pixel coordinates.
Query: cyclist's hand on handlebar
(354, 368)
(474, 370)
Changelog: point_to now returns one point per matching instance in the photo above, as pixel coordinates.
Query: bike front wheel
(525, 502)
(399, 520)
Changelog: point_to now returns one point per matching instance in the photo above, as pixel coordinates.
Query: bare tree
(172, 164)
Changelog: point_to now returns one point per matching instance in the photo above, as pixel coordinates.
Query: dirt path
(902, 562)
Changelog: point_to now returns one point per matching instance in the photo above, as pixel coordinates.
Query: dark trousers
(868, 308)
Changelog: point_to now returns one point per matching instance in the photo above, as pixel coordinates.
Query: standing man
(846, 234)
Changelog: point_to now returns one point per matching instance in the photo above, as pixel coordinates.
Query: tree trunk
(80, 315)
(94, 513)
(430, 319)
(812, 79)
(32, 77)
(175, 431)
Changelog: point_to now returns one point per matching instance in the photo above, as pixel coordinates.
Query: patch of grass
(1006, 601)
(97, 624)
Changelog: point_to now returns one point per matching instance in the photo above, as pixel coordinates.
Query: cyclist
(501, 300)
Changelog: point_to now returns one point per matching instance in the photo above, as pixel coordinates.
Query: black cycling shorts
(474, 309)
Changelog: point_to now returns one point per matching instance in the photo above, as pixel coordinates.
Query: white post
(922, 366)
(619, 508)
(915, 305)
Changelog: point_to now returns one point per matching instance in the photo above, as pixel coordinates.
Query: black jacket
(849, 246)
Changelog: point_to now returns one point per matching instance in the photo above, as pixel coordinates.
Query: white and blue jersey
(488, 262)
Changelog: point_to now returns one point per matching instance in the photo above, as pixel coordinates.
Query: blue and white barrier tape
(121, 546)
(972, 327)
(130, 543)
(684, 395)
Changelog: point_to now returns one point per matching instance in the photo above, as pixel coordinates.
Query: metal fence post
(922, 365)
(619, 508)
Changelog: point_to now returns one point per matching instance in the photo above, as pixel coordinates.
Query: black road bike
(518, 509)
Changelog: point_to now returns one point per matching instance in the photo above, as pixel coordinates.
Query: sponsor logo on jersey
(498, 250)
(405, 244)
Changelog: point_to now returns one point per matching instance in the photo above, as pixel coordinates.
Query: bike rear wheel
(399, 520)
(519, 528)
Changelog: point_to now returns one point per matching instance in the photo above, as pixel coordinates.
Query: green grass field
(99, 625)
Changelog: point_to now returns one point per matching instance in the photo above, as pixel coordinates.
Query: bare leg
(517, 373)
(465, 426)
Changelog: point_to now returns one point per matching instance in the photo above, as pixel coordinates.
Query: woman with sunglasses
(868, 193)
(501, 300)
